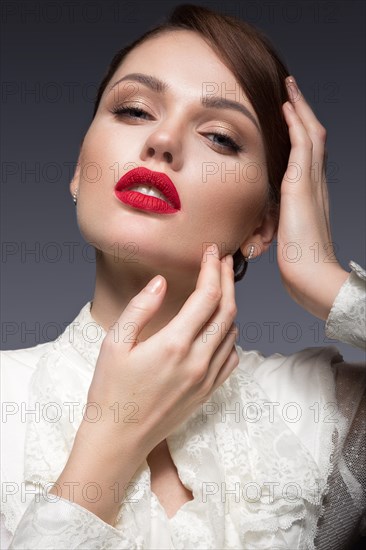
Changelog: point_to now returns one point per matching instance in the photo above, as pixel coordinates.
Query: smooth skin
(130, 370)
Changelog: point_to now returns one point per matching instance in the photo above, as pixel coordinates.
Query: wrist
(320, 300)
(110, 441)
(97, 459)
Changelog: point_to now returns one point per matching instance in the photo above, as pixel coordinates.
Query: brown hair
(258, 70)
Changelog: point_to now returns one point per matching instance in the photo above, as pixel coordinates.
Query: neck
(117, 283)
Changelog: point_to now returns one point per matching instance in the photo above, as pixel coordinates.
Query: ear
(262, 236)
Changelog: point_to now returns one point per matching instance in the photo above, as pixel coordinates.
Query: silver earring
(250, 253)
(74, 196)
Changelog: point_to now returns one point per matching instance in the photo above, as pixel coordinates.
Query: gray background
(53, 57)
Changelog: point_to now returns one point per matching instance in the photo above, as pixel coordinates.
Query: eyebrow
(160, 87)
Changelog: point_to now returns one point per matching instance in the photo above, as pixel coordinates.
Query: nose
(164, 145)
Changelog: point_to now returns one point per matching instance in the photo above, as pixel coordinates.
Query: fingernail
(155, 285)
(212, 249)
(293, 89)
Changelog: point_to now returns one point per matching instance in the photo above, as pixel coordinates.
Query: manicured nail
(293, 89)
(212, 249)
(155, 285)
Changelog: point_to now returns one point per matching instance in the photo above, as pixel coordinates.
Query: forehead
(187, 63)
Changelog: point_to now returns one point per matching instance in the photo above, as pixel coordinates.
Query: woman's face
(222, 189)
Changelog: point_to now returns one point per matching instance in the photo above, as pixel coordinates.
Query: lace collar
(58, 394)
(85, 335)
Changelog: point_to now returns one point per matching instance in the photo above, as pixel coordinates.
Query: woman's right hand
(160, 382)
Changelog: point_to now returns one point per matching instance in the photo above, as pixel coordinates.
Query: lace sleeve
(64, 524)
(346, 321)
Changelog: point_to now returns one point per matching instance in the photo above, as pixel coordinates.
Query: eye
(224, 141)
(130, 112)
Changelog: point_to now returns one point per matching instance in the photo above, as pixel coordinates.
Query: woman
(152, 429)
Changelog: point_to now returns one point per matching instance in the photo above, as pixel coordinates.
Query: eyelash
(232, 145)
(119, 111)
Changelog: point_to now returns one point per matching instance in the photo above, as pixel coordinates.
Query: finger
(304, 179)
(227, 368)
(313, 127)
(301, 154)
(201, 304)
(317, 134)
(220, 356)
(138, 312)
(216, 328)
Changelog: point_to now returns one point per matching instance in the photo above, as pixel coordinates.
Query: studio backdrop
(54, 54)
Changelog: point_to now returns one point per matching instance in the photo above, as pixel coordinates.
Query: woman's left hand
(309, 269)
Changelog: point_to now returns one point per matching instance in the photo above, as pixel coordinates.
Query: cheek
(111, 152)
(102, 164)
(228, 204)
(96, 184)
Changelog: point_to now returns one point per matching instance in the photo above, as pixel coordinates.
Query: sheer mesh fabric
(343, 521)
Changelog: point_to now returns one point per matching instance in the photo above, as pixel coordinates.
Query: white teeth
(147, 190)
(143, 189)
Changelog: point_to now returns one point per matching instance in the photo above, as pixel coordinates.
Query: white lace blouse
(275, 458)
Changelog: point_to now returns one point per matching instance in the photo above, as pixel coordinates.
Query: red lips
(159, 180)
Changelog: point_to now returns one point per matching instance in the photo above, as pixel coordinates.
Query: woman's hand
(144, 390)
(159, 382)
(309, 269)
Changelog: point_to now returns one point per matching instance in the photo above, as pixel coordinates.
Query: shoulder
(307, 375)
(16, 370)
(305, 370)
(304, 387)
(17, 367)
(26, 358)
